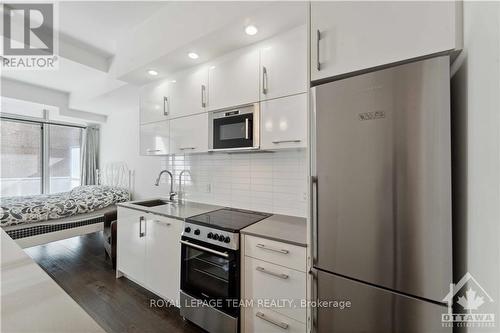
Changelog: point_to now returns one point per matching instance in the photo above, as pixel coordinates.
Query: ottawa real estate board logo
(29, 36)
(469, 305)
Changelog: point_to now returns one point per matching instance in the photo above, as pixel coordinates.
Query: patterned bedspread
(36, 208)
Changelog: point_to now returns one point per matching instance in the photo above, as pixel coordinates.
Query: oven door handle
(199, 247)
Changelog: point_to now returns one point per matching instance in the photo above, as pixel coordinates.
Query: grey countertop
(283, 228)
(175, 210)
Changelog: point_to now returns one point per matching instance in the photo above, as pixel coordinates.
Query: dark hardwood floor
(79, 266)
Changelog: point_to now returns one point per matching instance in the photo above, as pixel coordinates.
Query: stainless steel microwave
(235, 129)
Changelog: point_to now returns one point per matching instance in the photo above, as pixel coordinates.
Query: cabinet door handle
(280, 275)
(318, 38)
(166, 106)
(203, 96)
(142, 230)
(152, 150)
(264, 247)
(286, 141)
(264, 80)
(163, 222)
(187, 148)
(272, 321)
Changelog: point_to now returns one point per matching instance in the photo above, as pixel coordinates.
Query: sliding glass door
(21, 158)
(64, 157)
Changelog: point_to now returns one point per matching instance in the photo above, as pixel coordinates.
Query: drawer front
(285, 287)
(279, 253)
(268, 321)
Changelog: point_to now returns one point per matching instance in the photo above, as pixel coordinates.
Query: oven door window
(233, 132)
(209, 276)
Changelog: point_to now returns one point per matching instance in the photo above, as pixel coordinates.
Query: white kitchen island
(31, 301)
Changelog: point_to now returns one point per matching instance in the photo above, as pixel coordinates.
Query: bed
(35, 220)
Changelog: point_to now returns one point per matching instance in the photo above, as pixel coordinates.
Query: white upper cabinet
(153, 101)
(189, 134)
(283, 67)
(349, 36)
(284, 122)
(234, 79)
(188, 92)
(154, 138)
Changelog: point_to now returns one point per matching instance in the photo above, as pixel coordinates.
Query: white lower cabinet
(268, 321)
(275, 283)
(131, 245)
(270, 281)
(163, 255)
(189, 134)
(284, 122)
(148, 251)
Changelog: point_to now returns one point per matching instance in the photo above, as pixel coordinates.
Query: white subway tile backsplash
(269, 182)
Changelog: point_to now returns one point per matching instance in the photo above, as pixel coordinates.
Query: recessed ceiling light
(251, 30)
(152, 72)
(193, 55)
(173, 81)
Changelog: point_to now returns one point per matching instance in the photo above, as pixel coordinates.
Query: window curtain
(90, 155)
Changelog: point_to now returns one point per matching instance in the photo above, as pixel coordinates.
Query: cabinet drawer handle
(287, 141)
(264, 247)
(166, 106)
(318, 38)
(163, 222)
(272, 321)
(187, 148)
(142, 230)
(203, 96)
(152, 150)
(280, 275)
(264, 80)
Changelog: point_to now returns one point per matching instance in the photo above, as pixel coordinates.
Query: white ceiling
(105, 45)
(101, 23)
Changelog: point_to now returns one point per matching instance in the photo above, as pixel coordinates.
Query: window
(21, 158)
(64, 157)
(38, 157)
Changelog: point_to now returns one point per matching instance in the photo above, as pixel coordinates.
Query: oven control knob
(216, 236)
(210, 235)
(227, 239)
(187, 229)
(197, 232)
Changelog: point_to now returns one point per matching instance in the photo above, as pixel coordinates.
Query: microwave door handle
(246, 128)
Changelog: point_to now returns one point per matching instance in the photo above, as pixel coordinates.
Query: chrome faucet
(181, 193)
(172, 194)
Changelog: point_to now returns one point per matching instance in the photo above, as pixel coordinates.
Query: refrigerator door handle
(314, 298)
(314, 213)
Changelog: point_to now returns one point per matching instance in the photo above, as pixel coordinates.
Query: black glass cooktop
(228, 219)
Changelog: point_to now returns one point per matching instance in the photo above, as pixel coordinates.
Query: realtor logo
(29, 36)
(471, 303)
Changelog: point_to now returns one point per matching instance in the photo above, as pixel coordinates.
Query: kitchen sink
(153, 203)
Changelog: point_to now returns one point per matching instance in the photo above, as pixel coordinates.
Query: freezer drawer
(383, 192)
(372, 309)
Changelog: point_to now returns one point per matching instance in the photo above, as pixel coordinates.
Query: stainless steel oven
(235, 129)
(210, 285)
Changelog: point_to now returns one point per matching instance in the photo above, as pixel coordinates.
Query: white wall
(268, 182)
(476, 155)
(120, 142)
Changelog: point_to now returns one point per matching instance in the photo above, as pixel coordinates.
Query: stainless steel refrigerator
(382, 199)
